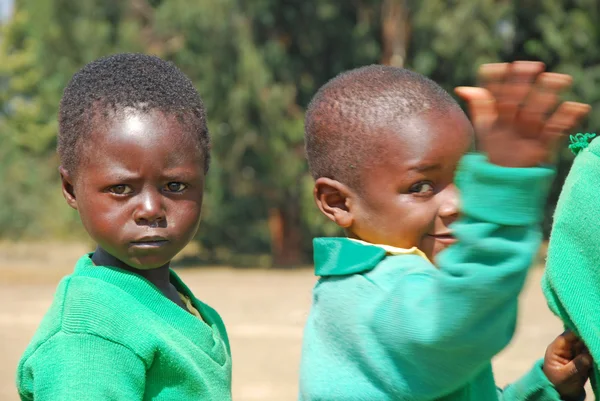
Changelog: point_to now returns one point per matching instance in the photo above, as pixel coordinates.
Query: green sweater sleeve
(443, 326)
(82, 367)
(534, 386)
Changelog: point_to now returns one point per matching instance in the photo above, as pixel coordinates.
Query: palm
(525, 148)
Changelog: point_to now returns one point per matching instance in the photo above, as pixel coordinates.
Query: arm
(561, 375)
(443, 326)
(82, 367)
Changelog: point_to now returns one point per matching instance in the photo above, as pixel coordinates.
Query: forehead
(426, 139)
(135, 137)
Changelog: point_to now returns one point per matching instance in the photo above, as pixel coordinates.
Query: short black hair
(133, 81)
(343, 117)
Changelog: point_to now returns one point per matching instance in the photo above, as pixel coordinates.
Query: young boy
(134, 151)
(383, 145)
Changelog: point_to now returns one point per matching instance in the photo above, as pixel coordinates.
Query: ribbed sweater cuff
(535, 386)
(503, 195)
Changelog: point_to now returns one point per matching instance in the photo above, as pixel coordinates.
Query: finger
(554, 81)
(517, 85)
(491, 76)
(564, 345)
(481, 105)
(542, 99)
(569, 336)
(578, 369)
(577, 347)
(582, 365)
(565, 118)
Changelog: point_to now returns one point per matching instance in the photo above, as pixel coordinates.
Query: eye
(121, 189)
(175, 187)
(422, 189)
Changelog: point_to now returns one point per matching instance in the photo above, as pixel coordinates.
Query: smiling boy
(422, 292)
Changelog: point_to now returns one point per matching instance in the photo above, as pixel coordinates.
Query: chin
(438, 249)
(148, 262)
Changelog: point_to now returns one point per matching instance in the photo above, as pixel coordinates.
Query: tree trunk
(395, 32)
(286, 236)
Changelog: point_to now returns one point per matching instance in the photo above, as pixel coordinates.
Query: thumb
(580, 365)
(472, 94)
(481, 105)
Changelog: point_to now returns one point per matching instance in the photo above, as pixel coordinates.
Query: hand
(512, 112)
(567, 365)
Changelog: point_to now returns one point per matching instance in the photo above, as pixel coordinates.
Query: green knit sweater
(571, 280)
(111, 335)
(387, 326)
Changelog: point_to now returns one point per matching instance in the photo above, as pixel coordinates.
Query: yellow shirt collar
(392, 250)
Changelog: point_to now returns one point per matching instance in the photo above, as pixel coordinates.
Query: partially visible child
(571, 280)
(422, 293)
(134, 151)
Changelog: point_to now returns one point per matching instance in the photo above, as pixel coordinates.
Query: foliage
(256, 65)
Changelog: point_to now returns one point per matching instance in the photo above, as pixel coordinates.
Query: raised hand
(515, 113)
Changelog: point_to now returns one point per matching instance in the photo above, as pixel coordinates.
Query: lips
(150, 242)
(445, 238)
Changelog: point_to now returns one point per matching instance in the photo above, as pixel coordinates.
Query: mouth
(444, 238)
(149, 242)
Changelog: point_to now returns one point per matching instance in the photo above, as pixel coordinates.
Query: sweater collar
(149, 295)
(343, 256)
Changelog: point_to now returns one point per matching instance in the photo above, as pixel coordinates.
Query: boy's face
(138, 188)
(408, 197)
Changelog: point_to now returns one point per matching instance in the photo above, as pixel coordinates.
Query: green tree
(262, 65)
(41, 47)
(257, 64)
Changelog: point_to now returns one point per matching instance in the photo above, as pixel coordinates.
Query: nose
(450, 202)
(150, 210)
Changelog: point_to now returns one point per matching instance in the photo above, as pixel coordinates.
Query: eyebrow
(119, 174)
(426, 167)
(124, 175)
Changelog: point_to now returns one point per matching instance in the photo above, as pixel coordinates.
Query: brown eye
(175, 187)
(121, 189)
(422, 189)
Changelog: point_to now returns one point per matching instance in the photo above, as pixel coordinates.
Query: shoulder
(91, 302)
(395, 268)
(86, 305)
(366, 288)
(51, 323)
(76, 357)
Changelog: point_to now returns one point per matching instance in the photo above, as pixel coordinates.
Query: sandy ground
(263, 309)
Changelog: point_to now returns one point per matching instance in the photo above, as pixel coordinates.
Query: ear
(67, 187)
(334, 199)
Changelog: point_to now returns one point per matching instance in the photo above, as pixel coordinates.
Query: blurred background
(256, 63)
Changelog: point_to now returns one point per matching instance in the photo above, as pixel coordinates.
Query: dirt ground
(264, 311)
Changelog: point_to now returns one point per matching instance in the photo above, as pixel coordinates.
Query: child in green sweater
(134, 151)
(422, 293)
(571, 281)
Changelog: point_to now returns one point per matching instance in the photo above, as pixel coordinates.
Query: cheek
(185, 217)
(419, 216)
(102, 216)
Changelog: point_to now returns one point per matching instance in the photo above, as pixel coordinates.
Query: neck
(160, 276)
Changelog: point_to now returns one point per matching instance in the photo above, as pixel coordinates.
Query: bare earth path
(264, 311)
